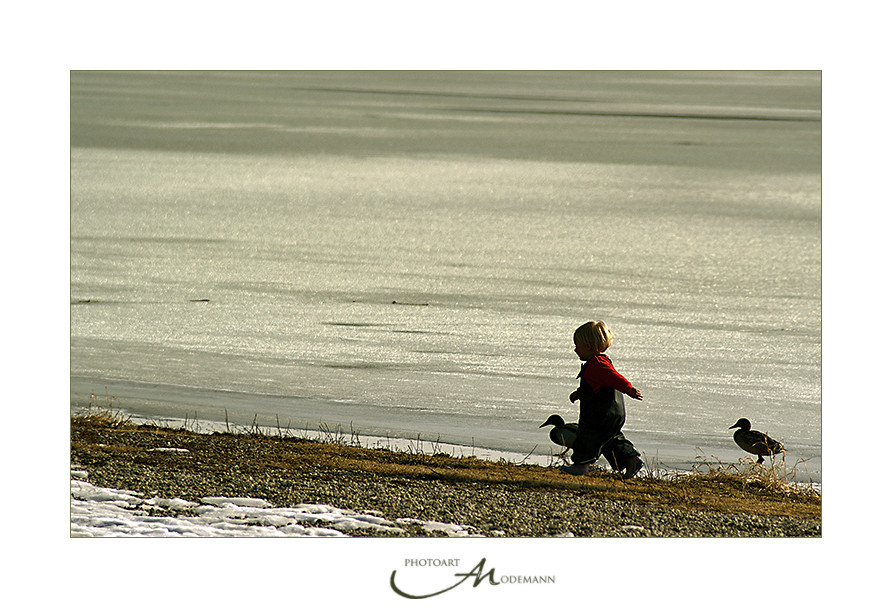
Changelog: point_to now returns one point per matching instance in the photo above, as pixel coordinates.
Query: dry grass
(742, 488)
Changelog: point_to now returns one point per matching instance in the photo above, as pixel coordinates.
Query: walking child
(601, 394)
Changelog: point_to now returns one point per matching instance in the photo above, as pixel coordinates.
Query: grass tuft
(103, 414)
(775, 476)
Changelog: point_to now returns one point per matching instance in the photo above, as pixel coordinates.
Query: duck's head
(553, 420)
(742, 423)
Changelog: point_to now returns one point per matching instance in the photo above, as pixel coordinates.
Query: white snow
(432, 526)
(104, 512)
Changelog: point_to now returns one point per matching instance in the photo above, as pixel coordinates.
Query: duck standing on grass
(755, 442)
(562, 434)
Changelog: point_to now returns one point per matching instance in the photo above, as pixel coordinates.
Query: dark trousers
(599, 433)
(589, 445)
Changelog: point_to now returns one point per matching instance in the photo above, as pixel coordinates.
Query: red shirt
(599, 372)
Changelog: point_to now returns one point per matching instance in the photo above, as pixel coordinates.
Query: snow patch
(105, 512)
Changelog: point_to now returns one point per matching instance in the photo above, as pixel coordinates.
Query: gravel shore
(494, 499)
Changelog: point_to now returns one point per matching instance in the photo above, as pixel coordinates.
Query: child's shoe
(576, 469)
(634, 465)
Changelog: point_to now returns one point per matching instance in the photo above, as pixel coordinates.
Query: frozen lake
(408, 254)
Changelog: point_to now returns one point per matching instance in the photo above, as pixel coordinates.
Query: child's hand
(634, 393)
(573, 396)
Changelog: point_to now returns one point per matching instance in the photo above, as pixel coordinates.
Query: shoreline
(218, 410)
(487, 498)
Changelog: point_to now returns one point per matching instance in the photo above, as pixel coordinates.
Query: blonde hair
(594, 334)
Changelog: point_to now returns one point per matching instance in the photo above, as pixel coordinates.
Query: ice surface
(414, 261)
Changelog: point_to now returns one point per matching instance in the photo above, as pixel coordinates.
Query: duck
(562, 434)
(755, 442)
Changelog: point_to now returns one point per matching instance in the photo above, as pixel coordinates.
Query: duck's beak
(731, 427)
(543, 424)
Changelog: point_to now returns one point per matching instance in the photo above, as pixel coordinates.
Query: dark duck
(755, 442)
(562, 434)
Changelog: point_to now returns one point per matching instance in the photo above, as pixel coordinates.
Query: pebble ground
(232, 465)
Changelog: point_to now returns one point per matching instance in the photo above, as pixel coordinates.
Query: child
(601, 395)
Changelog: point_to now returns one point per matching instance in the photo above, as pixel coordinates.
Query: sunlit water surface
(280, 250)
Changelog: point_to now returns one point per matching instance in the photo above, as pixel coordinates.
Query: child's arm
(602, 373)
(632, 392)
